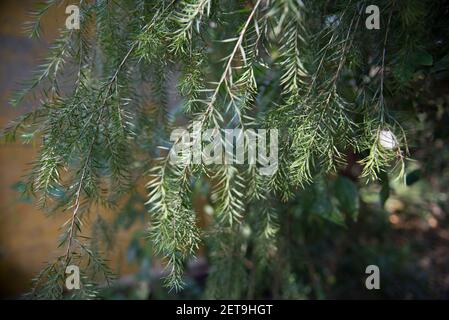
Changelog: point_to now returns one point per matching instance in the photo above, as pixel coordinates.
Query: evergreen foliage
(308, 68)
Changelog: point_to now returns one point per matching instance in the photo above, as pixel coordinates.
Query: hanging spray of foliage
(310, 69)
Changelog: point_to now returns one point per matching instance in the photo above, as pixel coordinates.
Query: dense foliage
(343, 97)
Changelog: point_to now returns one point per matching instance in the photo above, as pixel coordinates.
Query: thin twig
(88, 157)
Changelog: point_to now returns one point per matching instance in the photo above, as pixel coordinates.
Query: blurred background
(407, 236)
